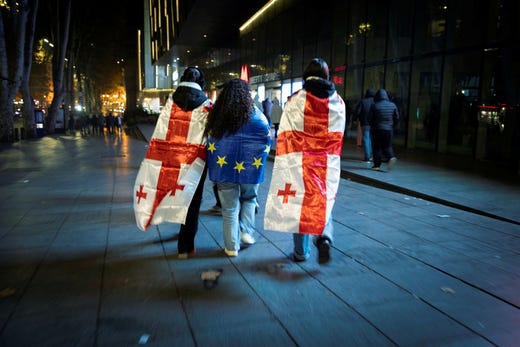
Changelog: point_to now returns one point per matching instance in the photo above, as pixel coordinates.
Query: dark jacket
(383, 113)
(363, 107)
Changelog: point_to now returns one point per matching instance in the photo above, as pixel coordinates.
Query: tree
(28, 102)
(12, 45)
(61, 39)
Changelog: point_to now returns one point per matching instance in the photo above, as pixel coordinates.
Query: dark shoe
(323, 251)
(297, 259)
(216, 210)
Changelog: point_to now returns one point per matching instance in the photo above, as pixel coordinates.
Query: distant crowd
(96, 125)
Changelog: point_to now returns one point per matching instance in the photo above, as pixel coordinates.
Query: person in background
(237, 147)
(267, 106)
(217, 208)
(119, 124)
(361, 115)
(101, 124)
(110, 123)
(382, 116)
(72, 125)
(276, 114)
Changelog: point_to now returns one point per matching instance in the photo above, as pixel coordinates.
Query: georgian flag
(172, 168)
(307, 168)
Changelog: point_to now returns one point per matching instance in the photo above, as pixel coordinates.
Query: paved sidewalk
(445, 179)
(405, 270)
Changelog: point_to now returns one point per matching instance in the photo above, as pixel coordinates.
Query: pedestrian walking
(72, 125)
(382, 117)
(101, 124)
(361, 115)
(276, 114)
(178, 142)
(267, 106)
(306, 170)
(238, 145)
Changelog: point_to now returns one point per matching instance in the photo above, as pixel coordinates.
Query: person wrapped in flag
(237, 147)
(306, 171)
(170, 181)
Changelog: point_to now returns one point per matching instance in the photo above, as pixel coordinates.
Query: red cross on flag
(171, 170)
(306, 170)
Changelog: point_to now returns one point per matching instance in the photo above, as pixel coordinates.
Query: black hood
(188, 98)
(370, 93)
(319, 87)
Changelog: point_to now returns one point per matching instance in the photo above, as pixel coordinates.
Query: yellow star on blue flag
(239, 166)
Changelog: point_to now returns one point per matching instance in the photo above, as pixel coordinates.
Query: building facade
(452, 67)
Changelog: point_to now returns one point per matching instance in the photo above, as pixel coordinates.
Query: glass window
(323, 50)
(354, 84)
(374, 77)
(354, 41)
(337, 76)
(398, 87)
(400, 28)
(462, 87)
(339, 35)
(425, 103)
(430, 25)
(465, 27)
(353, 91)
(286, 92)
(375, 30)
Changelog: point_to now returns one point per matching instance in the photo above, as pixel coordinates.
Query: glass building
(452, 67)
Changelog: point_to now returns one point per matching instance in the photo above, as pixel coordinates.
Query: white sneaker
(247, 238)
(391, 163)
(231, 253)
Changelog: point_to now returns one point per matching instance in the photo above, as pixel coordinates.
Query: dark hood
(319, 87)
(370, 93)
(381, 95)
(188, 98)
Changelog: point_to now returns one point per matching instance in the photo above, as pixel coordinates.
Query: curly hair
(232, 109)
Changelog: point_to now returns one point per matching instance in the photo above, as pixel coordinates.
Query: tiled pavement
(437, 266)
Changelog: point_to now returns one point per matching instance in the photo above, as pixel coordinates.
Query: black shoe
(323, 251)
(296, 259)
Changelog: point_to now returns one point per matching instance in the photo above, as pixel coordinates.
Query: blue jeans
(367, 144)
(302, 249)
(238, 211)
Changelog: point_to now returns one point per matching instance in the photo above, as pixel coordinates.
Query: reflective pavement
(425, 255)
